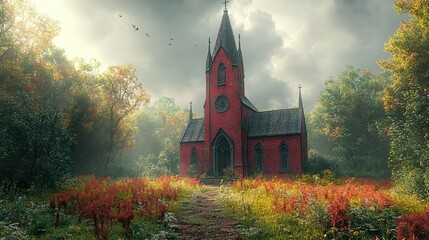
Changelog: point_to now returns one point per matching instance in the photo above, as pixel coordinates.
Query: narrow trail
(202, 217)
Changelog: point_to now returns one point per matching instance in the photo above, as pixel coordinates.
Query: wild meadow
(325, 208)
(96, 208)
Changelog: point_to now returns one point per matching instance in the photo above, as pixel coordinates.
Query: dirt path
(201, 217)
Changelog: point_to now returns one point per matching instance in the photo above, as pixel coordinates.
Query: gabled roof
(274, 123)
(248, 103)
(194, 131)
(225, 39)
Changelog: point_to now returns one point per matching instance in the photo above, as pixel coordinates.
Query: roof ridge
(279, 110)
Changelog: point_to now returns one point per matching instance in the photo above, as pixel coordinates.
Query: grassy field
(93, 208)
(309, 207)
(325, 208)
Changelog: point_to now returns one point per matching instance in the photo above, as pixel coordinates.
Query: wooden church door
(222, 153)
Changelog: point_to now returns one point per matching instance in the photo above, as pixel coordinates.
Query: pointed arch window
(259, 158)
(284, 157)
(221, 77)
(194, 156)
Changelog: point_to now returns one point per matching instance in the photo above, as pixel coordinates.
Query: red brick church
(233, 133)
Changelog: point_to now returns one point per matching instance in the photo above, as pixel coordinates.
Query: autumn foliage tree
(121, 95)
(58, 117)
(407, 99)
(35, 79)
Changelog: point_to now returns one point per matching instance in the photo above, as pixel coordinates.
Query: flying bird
(147, 34)
(120, 15)
(171, 39)
(169, 44)
(135, 27)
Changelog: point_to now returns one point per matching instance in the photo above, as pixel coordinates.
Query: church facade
(233, 134)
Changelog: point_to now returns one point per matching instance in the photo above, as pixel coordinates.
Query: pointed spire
(225, 38)
(239, 42)
(209, 59)
(191, 115)
(239, 55)
(300, 99)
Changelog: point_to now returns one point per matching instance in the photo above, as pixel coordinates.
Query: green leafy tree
(349, 113)
(157, 146)
(87, 122)
(407, 99)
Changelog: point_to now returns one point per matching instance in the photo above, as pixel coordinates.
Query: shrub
(414, 226)
(106, 202)
(317, 163)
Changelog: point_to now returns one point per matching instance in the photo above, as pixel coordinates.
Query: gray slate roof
(274, 123)
(194, 131)
(248, 103)
(259, 124)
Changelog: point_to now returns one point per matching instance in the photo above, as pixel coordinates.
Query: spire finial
(190, 110)
(300, 99)
(225, 2)
(209, 42)
(239, 41)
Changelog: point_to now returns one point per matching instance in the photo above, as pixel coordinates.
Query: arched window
(221, 77)
(284, 158)
(259, 158)
(194, 156)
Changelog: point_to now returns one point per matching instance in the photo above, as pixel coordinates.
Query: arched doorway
(222, 153)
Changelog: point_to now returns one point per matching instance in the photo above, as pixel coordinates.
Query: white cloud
(284, 42)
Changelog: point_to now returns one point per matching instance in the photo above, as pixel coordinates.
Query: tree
(407, 99)
(121, 95)
(34, 94)
(349, 112)
(57, 117)
(160, 128)
(87, 122)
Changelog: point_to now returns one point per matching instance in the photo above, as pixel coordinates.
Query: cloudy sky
(284, 42)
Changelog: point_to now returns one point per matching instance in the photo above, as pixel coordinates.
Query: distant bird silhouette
(169, 44)
(147, 34)
(120, 15)
(135, 27)
(171, 39)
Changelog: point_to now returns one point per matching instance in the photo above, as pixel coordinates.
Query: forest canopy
(62, 117)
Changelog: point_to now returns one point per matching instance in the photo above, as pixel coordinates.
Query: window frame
(284, 161)
(194, 156)
(221, 79)
(259, 153)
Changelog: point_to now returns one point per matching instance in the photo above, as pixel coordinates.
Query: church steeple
(191, 115)
(225, 39)
(209, 59)
(239, 54)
